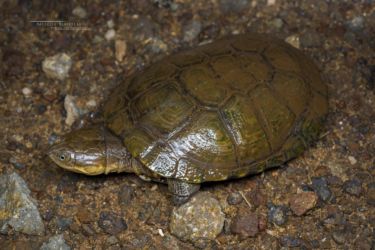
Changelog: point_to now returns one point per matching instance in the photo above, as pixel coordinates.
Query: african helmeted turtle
(223, 110)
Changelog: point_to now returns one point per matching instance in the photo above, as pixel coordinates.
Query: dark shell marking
(224, 110)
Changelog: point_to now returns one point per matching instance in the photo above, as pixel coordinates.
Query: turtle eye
(63, 157)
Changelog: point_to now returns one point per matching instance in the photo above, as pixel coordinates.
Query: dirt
(107, 42)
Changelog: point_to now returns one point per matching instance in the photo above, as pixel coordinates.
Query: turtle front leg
(181, 190)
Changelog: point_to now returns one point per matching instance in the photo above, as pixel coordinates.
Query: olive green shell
(223, 110)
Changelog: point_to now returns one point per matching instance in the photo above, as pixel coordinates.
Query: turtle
(223, 110)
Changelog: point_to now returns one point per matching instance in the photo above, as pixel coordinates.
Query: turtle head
(90, 151)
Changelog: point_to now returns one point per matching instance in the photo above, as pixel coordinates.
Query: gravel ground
(52, 75)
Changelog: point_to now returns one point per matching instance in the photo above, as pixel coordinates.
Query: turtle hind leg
(181, 190)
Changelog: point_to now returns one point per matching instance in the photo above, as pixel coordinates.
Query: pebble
(303, 202)
(290, 241)
(233, 6)
(320, 186)
(84, 215)
(87, 230)
(63, 223)
(110, 24)
(72, 112)
(125, 195)
(294, 41)
(56, 242)
(277, 23)
(192, 30)
(310, 39)
(112, 240)
(157, 45)
(27, 92)
(57, 66)
(352, 160)
(111, 223)
(110, 34)
(234, 198)
(339, 236)
(246, 225)
(18, 210)
(356, 24)
(120, 50)
(16, 164)
(79, 12)
(353, 187)
(201, 217)
(277, 214)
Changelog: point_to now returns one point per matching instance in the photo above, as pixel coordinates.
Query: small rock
(339, 236)
(18, 210)
(311, 39)
(271, 2)
(125, 195)
(97, 39)
(16, 163)
(56, 242)
(233, 6)
(111, 223)
(120, 49)
(353, 187)
(201, 217)
(79, 12)
(290, 241)
(63, 223)
(84, 216)
(352, 160)
(91, 104)
(277, 214)
(110, 24)
(72, 112)
(256, 197)
(320, 186)
(356, 24)
(303, 202)
(234, 198)
(156, 45)
(192, 30)
(87, 230)
(246, 225)
(111, 240)
(294, 41)
(110, 34)
(277, 23)
(27, 92)
(57, 66)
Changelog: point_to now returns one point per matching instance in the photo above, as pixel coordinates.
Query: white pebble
(79, 12)
(110, 34)
(27, 91)
(160, 231)
(271, 2)
(91, 103)
(293, 40)
(57, 66)
(72, 112)
(352, 160)
(110, 24)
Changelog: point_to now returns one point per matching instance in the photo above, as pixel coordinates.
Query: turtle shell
(223, 110)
